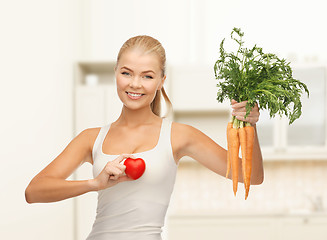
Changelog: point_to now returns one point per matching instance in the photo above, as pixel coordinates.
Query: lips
(135, 93)
(134, 96)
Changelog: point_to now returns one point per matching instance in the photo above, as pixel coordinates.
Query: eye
(148, 76)
(125, 73)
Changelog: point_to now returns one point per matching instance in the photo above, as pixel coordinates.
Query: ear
(162, 82)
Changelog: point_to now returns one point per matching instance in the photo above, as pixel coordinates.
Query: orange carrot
(234, 150)
(229, 126)
(243, 143)
(249, 151)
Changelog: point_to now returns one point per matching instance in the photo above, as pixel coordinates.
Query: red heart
(134, 167)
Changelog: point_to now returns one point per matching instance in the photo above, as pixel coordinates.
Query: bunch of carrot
(240, 133)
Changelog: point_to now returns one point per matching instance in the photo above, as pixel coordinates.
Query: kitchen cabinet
(96, 103)
(89, 107)
(247, 226)
(192, 90)
(306, 138)
(193, 95)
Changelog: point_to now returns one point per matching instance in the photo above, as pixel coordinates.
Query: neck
(134, 118)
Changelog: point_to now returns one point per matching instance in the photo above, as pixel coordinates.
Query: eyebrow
(132, 70)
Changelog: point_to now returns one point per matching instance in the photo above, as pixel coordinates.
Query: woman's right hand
(112, 173)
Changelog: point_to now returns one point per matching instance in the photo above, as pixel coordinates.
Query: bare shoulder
(90, 134)
(85, 141)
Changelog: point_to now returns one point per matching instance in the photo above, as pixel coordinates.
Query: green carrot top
(260, 78)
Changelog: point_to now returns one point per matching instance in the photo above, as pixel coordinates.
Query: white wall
(191, 30)
(38, 44)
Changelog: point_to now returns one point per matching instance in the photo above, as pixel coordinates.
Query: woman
(135, 209)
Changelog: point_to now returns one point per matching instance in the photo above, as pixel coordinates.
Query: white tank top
(135, 209)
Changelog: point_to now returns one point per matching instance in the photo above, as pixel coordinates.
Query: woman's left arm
(202, 148)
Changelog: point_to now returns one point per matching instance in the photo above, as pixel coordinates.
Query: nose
(135, 82)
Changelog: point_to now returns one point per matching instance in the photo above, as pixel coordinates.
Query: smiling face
(138, 77)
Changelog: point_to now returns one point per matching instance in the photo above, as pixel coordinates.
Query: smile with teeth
(134, 95)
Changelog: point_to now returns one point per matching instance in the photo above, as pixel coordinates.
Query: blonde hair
(150, 45)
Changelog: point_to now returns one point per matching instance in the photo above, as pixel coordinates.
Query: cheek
(121, 82)
(152, 86)
(120, 88)
(151, 90)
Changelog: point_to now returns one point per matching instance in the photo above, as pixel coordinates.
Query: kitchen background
(57, 79)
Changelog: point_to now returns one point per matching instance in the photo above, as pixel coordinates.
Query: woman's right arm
(50, 185)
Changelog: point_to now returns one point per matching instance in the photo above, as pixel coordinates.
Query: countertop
(291, 213)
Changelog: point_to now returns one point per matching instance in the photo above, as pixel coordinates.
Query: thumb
(125, 178)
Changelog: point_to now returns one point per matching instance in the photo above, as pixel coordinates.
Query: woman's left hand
(239, 112)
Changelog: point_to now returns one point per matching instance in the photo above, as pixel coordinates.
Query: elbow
(258, 181)
(258, 177)
(31, 191)
(29, 195)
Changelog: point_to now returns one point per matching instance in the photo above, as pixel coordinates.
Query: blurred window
(310, 128)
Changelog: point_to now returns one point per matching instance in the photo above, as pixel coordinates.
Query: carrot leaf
(257, 77)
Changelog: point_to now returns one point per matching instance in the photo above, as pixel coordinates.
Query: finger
(239, 105)
(248, 119)
(253, 115)
(123, 156)
(114, 177)
(120, 166)
(254, 110)
(241, 118)
(237, 110)
(126, 155)
(118, 159)
(112, 170)
(233, 101)
(235, 113)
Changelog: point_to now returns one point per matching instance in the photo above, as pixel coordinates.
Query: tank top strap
(165, 130)
(99, 140)
(166, 134)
